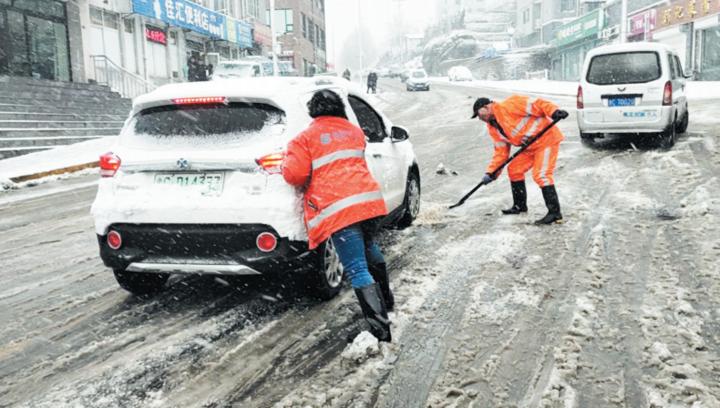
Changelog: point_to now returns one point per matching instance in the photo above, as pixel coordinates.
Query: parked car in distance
(632, 89)
(459, 73)
(192, 184)
(249, 68)
(418, 80)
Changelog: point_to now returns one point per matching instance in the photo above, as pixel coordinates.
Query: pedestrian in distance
(513, 122)
(372, 82)
(342, 202)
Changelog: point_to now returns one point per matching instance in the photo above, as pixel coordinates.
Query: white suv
(417, 80)
(632, 89)
(189, 187)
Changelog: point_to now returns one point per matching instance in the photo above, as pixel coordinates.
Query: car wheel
(411, 203)
(587, 139)
(668, 137)
(139, 283)
(683, 125)
(327, 276)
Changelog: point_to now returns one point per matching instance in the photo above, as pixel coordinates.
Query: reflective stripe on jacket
(329, 158)
(521, 118)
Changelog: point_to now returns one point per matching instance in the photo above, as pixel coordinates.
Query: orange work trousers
(541, 159)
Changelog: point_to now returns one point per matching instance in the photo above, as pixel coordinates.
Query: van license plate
(206, 182)
(621, 102)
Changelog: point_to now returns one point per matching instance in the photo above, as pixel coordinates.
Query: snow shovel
(495, 173)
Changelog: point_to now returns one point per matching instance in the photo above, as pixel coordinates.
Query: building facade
(300, 31)
(149, 41)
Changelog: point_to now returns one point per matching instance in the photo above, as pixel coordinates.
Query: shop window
(567, 5)
(48, 8)
(710, 54)
(129, 26)
(283, 21)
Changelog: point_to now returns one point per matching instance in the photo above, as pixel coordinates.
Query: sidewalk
(65, 159)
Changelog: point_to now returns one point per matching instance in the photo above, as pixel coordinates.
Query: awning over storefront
(186, 14)
(588, 26)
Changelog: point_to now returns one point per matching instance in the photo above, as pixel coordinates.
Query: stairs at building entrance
(37, 114)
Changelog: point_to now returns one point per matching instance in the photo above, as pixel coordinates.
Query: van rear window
(624, 68)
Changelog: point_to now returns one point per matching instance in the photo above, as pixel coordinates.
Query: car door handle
(377, 155)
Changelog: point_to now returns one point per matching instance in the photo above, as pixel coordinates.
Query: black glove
(559, 114)
(488, 178)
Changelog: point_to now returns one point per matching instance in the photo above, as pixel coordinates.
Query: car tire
(139, 283)
(326, 278)
(667, 138)
(587, 139)
(683, 125)
(411, 203)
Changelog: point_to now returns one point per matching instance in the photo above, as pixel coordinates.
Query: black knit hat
(479, 103)
(326, 103)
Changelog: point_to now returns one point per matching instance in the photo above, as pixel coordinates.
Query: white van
(636, 88)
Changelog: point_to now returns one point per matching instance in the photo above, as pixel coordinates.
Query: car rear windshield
(215, 123)
(624, 68)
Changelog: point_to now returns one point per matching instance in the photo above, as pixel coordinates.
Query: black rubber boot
(374, 310)
(519, 193)
(553, 205)
(380, 275)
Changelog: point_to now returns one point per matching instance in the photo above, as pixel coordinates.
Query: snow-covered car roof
(629, 47)
(261, 89)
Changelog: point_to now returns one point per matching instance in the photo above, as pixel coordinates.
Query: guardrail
(542, 74)
(119, 79)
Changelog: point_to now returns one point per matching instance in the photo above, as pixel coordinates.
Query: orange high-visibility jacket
(521, 117)
(329, 157)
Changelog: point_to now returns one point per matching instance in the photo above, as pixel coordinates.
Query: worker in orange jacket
(342, 202)
(513, 122)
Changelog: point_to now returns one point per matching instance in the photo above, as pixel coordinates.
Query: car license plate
(634, 114)
(207, 183)
(621, 102)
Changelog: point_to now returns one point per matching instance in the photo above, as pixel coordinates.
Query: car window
(673, 67)
(369, 120)
(418, 74)
(680, 71)
(624, 68)
(205, 125)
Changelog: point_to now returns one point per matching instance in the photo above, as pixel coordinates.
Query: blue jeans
(356, 249)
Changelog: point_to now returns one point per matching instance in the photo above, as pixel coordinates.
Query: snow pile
(699, 202)
(363, 347)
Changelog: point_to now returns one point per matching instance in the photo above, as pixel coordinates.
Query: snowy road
(617, 307)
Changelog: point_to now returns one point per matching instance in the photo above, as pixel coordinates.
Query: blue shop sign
(240, 32)
(186, 14)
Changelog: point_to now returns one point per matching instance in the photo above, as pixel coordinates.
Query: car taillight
(203, 100)
(114, 240)
(109, 164)
(266, 242)
(667, 94)
(580, 103)
(271, 162)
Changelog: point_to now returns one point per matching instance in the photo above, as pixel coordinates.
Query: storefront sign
(189, 15)
(642, 23)
(262, 34)
(156, 35)
(586, 26)
(685, 11)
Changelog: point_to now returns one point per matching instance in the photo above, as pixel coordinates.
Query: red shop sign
(156, 35)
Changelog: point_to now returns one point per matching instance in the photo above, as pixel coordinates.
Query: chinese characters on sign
(156, 35)
(588, 25)
(685, 11)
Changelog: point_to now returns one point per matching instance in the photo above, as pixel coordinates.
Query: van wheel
(411, 203)
(325, 279)
(668, 137)
(139, 283)
(587, 139)
(683, 125)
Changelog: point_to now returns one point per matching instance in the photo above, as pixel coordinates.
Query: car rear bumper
(416, 87)
(608, 120)
(220, 249)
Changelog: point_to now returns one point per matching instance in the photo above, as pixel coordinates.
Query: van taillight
(109, 164)
(580, 103)
(667, 94)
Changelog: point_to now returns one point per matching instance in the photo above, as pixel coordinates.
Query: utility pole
(623, 21)
(276, 71)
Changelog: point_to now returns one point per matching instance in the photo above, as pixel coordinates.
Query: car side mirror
(399, 134)
(690, 75)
